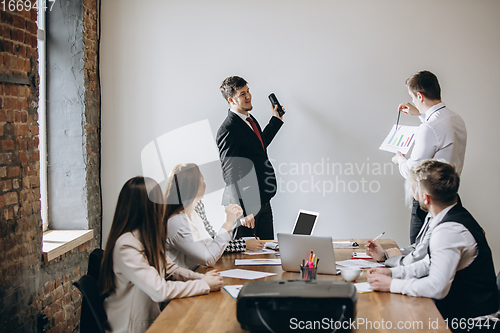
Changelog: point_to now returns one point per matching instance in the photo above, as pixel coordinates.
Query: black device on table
(279, 305)
(274, 102)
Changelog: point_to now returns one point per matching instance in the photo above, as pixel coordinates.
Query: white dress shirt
(452, 248)
(189, 244)
(418, 250)
(441, 136)
(243, 117)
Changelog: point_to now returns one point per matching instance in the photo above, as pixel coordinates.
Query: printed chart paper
(400, 140)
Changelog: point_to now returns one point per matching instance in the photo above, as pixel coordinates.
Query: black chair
(93, 317)
(498, 286)
(95, 259)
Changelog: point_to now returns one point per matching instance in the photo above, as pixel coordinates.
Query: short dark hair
(439, 179)
(426, 83)
(230, 85)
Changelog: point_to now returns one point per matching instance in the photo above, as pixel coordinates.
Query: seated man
(459, 275)
(408, 255)
(405, 256)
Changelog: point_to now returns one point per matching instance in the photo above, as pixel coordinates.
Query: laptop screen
(305, 223)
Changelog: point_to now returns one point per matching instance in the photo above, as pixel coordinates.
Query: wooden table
(216, 312)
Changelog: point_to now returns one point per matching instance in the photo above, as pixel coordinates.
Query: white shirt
(441, 136)
(189, 244)
(244, 118)
(452, 248)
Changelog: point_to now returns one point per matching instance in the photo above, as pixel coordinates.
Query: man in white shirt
(459, 274)
(405, 256)
(441, 136)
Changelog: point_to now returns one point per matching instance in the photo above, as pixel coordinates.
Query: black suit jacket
(240, 150)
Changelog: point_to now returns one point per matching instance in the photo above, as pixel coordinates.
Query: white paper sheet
(245, 274)
(400, 140)
(345, 245)
(363, 287)
(263, 251)
(360, 255)
(233, 290)
(358, 263)
(256, 262)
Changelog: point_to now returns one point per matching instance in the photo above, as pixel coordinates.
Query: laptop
(304, 225)
(295, 248)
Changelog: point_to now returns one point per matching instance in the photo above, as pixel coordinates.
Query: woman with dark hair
(189, 244)
(136, 273)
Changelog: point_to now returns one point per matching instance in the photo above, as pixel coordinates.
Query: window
(42, 133)
(63, 190)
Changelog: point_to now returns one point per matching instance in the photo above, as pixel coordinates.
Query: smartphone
(274, 102)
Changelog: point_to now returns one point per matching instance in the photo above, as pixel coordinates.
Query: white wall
(339, 69)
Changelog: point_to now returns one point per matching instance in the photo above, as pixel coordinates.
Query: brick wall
(92, 118)
(28, 285)
(20, 226)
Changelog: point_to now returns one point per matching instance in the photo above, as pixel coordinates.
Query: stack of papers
(345, 245)
(263, 251)
(256, 262)
(245, 274)
(358, 263)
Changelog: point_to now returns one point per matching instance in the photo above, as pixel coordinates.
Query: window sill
(59, 242)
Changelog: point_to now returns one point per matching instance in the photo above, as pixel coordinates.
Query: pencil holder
(308, 273)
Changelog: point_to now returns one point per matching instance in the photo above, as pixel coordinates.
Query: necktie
(256, 130)
(423, 231)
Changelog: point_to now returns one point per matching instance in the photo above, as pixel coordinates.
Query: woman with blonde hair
(136, 274)
(188, 242)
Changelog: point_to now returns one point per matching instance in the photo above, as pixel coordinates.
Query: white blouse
(189, 244)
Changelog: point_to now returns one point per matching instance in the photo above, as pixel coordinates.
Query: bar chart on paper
(399, 140)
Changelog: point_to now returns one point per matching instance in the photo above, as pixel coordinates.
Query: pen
(397, 122)
(378, 236)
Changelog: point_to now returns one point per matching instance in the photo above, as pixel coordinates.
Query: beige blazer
(134, 305)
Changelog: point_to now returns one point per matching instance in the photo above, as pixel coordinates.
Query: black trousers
(264, 228)
(416, 221)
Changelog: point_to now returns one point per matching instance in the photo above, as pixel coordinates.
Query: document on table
(256, 262)
(263, 251)
(244, 274)
(233, 290)
(362, 287)
(345, 245)
(358, 263)
(399, 140)
(360, 255)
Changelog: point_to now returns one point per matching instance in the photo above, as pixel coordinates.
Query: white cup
(351, 274)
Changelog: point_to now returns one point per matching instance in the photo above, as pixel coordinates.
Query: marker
(378, 236)
(397, 122)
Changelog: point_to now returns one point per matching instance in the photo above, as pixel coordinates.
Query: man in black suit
(242, 146)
